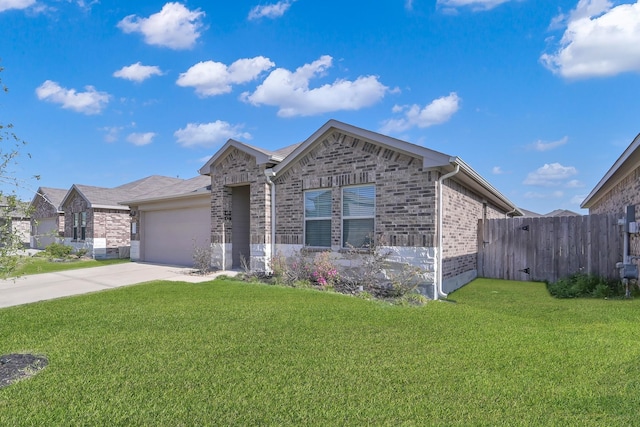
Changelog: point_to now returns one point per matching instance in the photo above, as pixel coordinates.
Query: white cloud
(141, 138)
(137, 72)
(112, 133)
(15, 4)
(214, 78)
(574, 183)
(209, 134)
(599, 40)
(534, 195)
(497, 170)
(290, 92)
(175, 26)
(272, 11)
(89, 102)
(540, 145)
(408, 4)
(474, 4)
(578, 199)
(437, 112)
(550, 175)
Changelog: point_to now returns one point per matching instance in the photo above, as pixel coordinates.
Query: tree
(11, 208)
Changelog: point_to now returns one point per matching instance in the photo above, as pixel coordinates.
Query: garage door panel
(170, 236)
(46, 232)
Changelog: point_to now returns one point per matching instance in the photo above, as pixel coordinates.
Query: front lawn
(37, 265)
(231, 353)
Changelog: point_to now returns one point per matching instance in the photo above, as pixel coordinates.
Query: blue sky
(540, 97)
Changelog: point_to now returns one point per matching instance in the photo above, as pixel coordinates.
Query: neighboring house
(18, 219)
(620, 186)
(555, 213)
(95, 221)
(342, 188)
(561, 212)
(47, 219)
(168, 225)
(530, 214)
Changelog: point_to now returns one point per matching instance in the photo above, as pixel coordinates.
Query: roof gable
(430, 158)
(626, 164)
(97, 197)
(262, 156)
(281, 160)
(52, 196)
(110, 198)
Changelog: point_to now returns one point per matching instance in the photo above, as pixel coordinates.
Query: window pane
(357, 233)
(318, 233)
(317, 204)
(358, 201)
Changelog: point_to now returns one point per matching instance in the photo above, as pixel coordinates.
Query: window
(317, 218)
(83, 225)
(76, 221)
(358, 213)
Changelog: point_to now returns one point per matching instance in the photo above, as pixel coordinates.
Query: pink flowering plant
(324, 271)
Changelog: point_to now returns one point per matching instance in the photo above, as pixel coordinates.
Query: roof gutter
(270, 173)
(438, 292)
(485, 184)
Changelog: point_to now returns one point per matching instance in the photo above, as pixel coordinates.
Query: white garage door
(46, 232)
(170, 236)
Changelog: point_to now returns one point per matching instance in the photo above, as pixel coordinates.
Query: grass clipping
(16, 367)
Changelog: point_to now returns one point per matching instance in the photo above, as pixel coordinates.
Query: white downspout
(513, 212)
(269, 173)
(438, 292)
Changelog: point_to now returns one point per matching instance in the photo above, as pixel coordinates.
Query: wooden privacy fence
(549, 248)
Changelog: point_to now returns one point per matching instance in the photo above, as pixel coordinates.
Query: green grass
(231, 353)
(37, 265)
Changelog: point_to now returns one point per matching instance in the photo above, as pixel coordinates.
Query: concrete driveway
(39, 287)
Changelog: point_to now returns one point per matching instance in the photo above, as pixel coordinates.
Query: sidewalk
(40, 287)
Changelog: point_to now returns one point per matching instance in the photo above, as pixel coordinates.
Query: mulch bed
(15, 367)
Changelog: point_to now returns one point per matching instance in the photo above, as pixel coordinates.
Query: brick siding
(462, 209)
(405, 193)
(113, 225)
(623, 194)
(43, 209)
(233, 169)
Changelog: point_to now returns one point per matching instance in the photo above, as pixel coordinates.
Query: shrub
(81, 252)
(202, 259)
(365, 273)
(372, 271)
(582, 285)
(58, 250)
(323, 270)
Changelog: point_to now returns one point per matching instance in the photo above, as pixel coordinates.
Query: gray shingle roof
(198, 184)
(149, 184)
(52, 195)
(562, 212)
(111, 197)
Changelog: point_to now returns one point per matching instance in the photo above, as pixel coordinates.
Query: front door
(241, 226)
